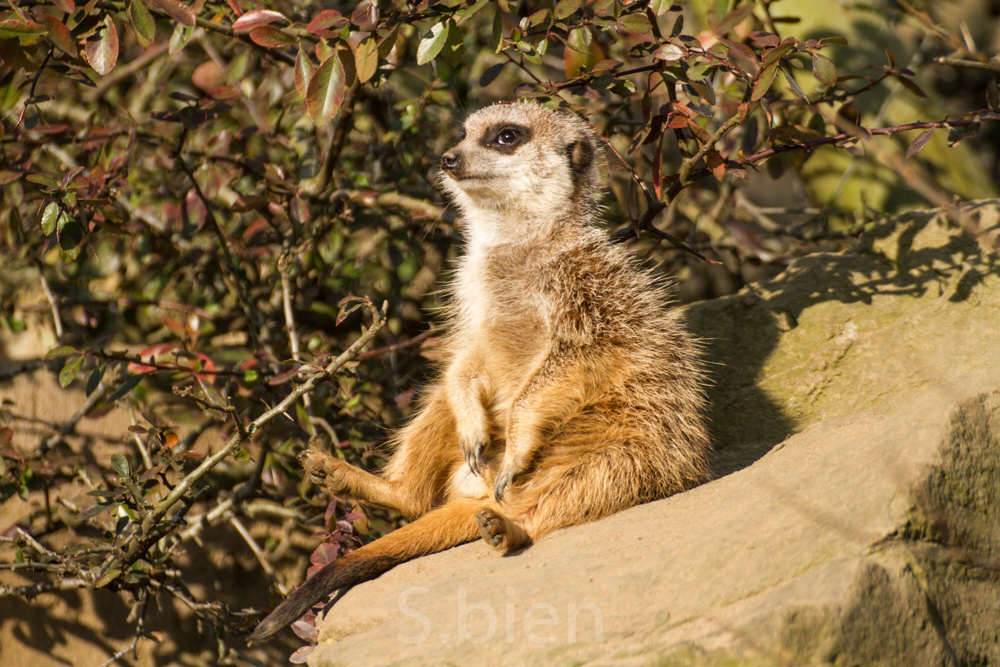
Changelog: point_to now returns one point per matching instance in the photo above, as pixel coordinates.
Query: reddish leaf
(365, 15)
(306, 631)
(256, 19)
(208, 76)
(60, 35)
(67, 6)
(6, 435)
(919, 143)
(326, 89)
(325, 553)
(140, 369)
(270, 37)
(677, 121)
(716, 164)
(910, 86)
(762, 39)
(102, 53)
(327, 23)
(175, 10)
(282, 378)
(301, 654)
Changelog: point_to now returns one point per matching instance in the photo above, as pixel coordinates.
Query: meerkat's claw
(501, 484)
(474, 457)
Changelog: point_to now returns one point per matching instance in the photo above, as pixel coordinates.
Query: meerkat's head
(521, 168)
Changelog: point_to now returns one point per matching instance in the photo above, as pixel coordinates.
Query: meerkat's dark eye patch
(506, 138)
(580, 154)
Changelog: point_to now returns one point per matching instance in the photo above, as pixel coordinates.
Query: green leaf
(60, 351)
(824, 69)
(128, 385)
(565, 8)
(304, 70)
(94, 379)
(366, 59)
(50, 216)
(13, 27)
(490, 74)
(764, 81)
(776, 54)
(496, 32)
(102, 53)
(107, 577)
(660, 7)
(120, 464)
(326, 90)
(636, 24)
(432, 43)
(142, 23)
(69, 371)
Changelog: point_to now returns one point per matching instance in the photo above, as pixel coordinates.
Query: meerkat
(569, 390)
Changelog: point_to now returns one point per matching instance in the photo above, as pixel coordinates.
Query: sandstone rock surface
(856, 411)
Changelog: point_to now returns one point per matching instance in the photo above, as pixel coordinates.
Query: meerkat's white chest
(472, 292)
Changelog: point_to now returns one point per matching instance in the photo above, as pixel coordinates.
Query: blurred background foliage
(190, 192)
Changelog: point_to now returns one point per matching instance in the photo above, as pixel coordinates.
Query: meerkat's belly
(466, 484)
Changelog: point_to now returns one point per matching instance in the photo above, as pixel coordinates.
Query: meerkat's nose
(450, 161)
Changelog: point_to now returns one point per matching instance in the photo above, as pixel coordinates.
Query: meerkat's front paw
(473, 452)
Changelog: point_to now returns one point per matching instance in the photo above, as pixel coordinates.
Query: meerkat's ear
(580, 154)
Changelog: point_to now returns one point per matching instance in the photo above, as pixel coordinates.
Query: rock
(856, 412)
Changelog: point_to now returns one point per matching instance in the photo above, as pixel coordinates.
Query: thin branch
(402, 345)
(990, 65)
(53, 306)
(31, 590)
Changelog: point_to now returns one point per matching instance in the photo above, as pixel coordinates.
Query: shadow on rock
(906, 256)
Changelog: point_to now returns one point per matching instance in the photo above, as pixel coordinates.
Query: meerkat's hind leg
(500, 532)
(341, 478)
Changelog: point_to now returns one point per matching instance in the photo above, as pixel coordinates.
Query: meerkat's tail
(447, 526)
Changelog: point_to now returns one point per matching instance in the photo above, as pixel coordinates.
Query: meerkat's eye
(505, 138)
(461, 137)
(508, 136)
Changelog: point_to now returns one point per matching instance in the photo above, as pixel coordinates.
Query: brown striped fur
(568, 385)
